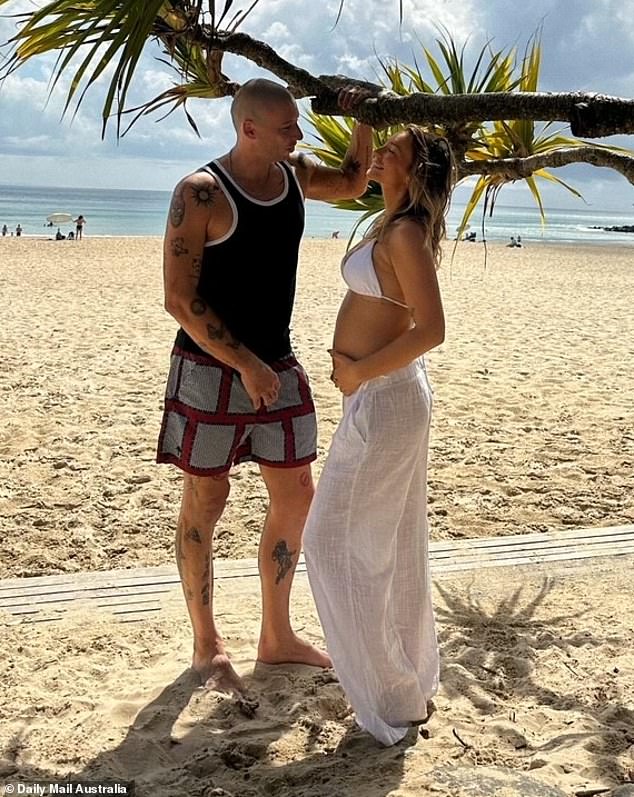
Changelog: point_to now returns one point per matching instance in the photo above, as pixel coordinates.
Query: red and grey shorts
(209, 423)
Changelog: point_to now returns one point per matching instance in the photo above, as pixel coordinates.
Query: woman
(80, 222)
(366, 534)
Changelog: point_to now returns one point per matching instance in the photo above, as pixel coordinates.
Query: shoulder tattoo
(177, 207)
(204, 195)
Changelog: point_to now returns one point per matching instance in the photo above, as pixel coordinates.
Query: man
(235, 392)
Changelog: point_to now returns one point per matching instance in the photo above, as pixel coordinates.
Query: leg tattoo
(284, 559)
(194, 535)
(204, 592)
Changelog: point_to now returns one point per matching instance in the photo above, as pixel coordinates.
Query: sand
(533, 430)
(533, 421)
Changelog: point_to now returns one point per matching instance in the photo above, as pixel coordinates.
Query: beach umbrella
(59, 218)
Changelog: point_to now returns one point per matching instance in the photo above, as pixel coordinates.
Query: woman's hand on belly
(344, 373)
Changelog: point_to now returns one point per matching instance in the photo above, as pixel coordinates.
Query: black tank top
(248, 276)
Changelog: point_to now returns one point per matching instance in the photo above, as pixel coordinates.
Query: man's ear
(248, 128)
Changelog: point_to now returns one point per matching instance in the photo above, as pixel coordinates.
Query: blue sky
(588, 45)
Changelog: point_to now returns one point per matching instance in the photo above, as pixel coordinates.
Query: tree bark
(589, 115)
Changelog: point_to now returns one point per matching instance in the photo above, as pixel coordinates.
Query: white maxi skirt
(366, 548)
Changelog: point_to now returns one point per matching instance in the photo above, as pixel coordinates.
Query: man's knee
(294, 497)
(205, 497)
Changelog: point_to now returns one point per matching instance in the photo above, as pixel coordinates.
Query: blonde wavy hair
(432, 176)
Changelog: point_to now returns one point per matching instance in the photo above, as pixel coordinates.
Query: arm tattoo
(198, 307)
(303, 160)
(177, 207)
(351, 165)
(219, 332)
(196, 267)
(203, 196)
(284, 559)
(178, 246)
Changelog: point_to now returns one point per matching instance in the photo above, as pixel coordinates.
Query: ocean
(120, 212)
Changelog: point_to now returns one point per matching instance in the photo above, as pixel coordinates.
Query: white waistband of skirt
(411, 371)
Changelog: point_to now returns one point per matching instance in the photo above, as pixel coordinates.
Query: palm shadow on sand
(490, 654)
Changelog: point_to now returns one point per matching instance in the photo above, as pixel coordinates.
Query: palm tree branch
(522, 168)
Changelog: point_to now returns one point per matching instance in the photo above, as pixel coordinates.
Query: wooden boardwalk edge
(138, 593)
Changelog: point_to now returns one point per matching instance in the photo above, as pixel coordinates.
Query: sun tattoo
(203, 196)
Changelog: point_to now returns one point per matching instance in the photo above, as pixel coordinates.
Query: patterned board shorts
(209, 423)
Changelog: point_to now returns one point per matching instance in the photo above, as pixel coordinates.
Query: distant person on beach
(366, 537)
(59, 235)
(235, 391)
(512, 243)
(335, 234)
(80, 223)
(5, 230)
(18, 230)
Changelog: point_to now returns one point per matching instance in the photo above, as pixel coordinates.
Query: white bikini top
(359, 274)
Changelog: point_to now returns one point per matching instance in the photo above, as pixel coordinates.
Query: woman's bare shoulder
(405, 233)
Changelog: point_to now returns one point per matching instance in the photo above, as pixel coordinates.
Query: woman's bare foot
(431, 708)
(292, 651)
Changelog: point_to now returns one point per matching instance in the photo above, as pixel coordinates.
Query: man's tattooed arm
(191, 212)
(216, 330)
(321, 182)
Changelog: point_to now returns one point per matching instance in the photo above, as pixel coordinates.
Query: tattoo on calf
(203, 196)
(198, 307)
(206, 586)
(177, 207)
(193, 534)
(179, 550)
(284, 559)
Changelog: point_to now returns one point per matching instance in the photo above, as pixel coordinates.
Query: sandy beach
(533, 431)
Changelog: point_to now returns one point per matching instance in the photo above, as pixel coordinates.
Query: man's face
(276, 130)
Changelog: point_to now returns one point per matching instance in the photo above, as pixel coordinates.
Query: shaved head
(254, 97)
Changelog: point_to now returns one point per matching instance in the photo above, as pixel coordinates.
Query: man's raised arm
(321, 182)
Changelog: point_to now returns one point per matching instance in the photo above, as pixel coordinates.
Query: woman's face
(391, 163)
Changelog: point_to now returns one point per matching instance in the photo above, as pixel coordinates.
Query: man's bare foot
(217, 673)
(292, 651)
